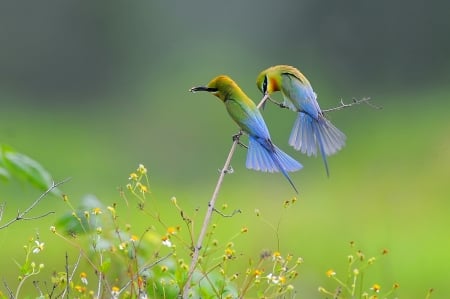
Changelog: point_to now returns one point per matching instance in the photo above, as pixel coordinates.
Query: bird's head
(268, 81)
(221, 86)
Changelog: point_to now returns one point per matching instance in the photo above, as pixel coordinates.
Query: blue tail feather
(322, 143)
(310, 135)
(264, 156)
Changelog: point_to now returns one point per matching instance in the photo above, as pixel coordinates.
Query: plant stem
(210, 210)
(207, 219)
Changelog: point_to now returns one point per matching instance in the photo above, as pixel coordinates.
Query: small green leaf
(23, 167)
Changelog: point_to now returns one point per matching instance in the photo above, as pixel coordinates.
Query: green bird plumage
(262, 154)
(311, 131)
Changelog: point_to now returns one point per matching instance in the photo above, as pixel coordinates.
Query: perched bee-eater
(262, 154)
(311, 129)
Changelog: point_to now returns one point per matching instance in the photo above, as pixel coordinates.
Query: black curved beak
(202, 88)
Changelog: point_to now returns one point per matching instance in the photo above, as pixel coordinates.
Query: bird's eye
(264, 86)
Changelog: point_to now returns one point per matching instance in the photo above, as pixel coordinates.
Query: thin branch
(38, 288)
(151, 265)
(37, 217)
(69, 278)
(263, 101)
(237, 211)
(211, 209)
(145, 268)
(266, 97)
(365, 100)
(21, 215)
(207, 219)
(11, 294)
(100, 278)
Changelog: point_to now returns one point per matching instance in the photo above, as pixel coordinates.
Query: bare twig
(365, 100)
(207, 219)
(11, 294)
(70, 278)
(37, 217)
(100, 278)
(267, 97)
(21, 215)
(237, 211)
(67, 290)
(38, 288)
(211, 208)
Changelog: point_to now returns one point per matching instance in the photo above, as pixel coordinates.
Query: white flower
(166, 242)
(273, 279)
(39, 247)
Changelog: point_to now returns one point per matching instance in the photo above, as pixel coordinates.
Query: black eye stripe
(264, 87)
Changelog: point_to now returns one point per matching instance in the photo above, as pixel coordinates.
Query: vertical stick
(210, 210)
(207, 219)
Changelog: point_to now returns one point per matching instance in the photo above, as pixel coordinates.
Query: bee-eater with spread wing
(311, 129)
(262, 154)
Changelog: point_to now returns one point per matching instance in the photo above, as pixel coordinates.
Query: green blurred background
(91, 89)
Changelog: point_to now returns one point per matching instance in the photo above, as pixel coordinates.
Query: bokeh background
(91, 89)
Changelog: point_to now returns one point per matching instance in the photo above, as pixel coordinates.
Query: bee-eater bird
(311, 129)
(262, 154)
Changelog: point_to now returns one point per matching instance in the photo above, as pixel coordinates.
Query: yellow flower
(141, 169)
(80, 289)
(229, 253)
(376, 288)
(133, 176)
(258, 273)
(143, 188)
(83, 277)
(330, 273)
(276, 256)
(172, 230)
(96, 211)
(115, 291)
